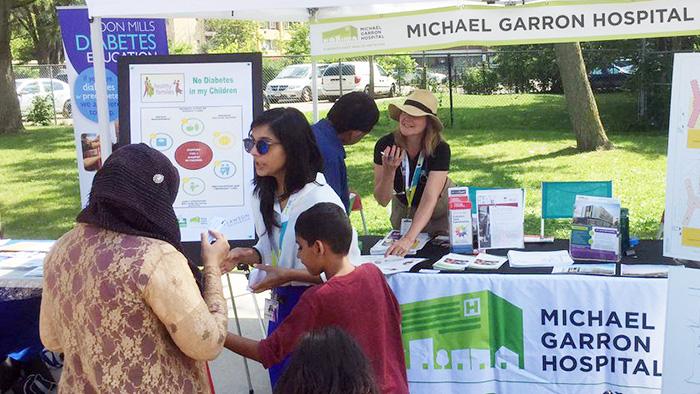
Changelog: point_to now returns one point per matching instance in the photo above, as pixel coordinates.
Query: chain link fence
(463, 80)
(44, 81)
(459, 79)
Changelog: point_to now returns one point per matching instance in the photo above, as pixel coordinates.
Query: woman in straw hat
(410, 171)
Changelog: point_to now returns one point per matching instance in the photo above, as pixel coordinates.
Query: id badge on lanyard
(277, 246)
(411, 183)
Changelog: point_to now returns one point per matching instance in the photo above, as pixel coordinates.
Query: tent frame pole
(98, 59)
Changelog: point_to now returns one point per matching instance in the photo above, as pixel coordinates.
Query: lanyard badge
(411, 183)
(277, 246)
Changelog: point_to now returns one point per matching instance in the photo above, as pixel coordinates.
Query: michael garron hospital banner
(496, 25)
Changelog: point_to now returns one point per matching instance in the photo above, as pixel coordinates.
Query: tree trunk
(581, 105)
(10, 116)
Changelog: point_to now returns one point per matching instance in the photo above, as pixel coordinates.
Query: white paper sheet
(27, 246)
(500, 218)
(539, 259)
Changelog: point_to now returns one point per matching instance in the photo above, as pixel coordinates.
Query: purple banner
(121, 37)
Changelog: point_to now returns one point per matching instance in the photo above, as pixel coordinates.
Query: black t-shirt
(438, 161)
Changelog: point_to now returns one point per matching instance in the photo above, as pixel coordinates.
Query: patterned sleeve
(47, 328)
(197, 325)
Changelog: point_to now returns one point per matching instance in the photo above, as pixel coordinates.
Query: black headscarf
(133, 193)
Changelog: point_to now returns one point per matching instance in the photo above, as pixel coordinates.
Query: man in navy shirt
(352, 117)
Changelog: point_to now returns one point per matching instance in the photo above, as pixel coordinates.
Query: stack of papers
(539, 259)
(460, 262)
(536, 239)
(390, 264)
(383, 244)
(586, 269)
(645, 270)
(26, 246)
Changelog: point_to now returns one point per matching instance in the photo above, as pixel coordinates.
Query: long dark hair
(327, 361)
(304, 159)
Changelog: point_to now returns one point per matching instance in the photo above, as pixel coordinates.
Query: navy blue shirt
(333, 154)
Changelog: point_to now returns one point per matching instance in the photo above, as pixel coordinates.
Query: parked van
(354, 77)
(293, 83)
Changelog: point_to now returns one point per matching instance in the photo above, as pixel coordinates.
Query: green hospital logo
(345, 33)
(466, 334)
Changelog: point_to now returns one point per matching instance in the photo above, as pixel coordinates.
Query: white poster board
(682, 342)
(197, 110)
(682, 217)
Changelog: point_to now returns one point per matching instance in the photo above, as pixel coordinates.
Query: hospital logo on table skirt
(468, 334)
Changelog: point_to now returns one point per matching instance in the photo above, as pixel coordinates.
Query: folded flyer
(394, 235)
(454, 262)
(390, 264)
(595, 229)
(607, 269)
(460, 262)
(645, 270)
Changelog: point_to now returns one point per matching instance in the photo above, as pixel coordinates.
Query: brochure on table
(500, 218)
(595, 229)
(460, 262)
(197, 110)
(390, 264)
(607, 269)
(394, 235)
(682, 215)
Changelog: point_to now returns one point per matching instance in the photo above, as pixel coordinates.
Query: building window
(269, 45)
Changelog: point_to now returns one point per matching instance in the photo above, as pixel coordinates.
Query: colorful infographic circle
(224, 140)
(193, 186)
(160, 141)
(224, 169)
(192, 126)
(193, 155)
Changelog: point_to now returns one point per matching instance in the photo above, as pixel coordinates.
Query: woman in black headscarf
(120, 300)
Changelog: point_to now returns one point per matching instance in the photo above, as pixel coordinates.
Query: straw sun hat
(419, 103)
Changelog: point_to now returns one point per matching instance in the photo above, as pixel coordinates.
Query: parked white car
(355, 78)
(293, 83)
(29, 88)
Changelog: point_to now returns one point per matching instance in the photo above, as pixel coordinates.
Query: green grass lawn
(499, 141)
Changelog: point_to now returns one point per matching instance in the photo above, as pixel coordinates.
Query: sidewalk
(228, 370)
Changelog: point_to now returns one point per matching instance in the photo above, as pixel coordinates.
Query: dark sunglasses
(262, 146)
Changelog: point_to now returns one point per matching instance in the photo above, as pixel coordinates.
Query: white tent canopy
(277, 10)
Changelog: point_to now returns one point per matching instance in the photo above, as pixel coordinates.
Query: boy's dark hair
(354, 111)
(327, 361)
(328, 223)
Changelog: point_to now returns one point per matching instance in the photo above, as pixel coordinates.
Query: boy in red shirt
(356, 299)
